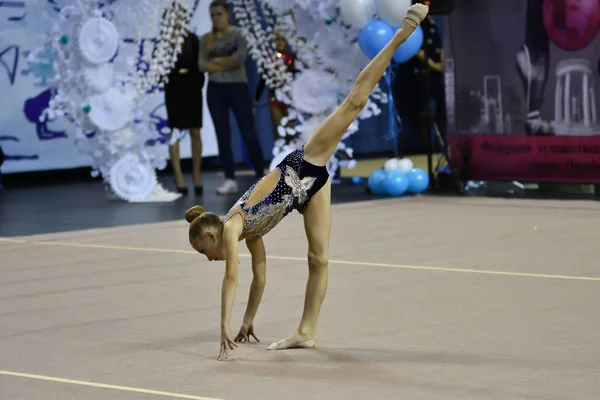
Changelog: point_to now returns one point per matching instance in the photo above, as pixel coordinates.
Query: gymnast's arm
(231, 232)
(259, 268)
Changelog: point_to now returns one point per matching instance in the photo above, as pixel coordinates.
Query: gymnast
(300, 182)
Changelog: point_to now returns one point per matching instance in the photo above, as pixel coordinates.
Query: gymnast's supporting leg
(317, 151)
(324, 141)
(317, 223)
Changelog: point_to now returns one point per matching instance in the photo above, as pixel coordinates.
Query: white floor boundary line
(303, 259)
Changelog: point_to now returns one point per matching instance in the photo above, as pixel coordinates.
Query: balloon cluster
(397, 178)
(377, 21)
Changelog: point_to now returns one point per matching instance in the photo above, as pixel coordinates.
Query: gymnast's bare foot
(296, 341)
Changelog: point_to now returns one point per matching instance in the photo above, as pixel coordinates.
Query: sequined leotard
(298, 182)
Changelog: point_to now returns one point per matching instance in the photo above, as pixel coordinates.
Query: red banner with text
(525, 158)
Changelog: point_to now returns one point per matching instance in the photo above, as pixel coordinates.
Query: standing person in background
(223, 52)
(277, 109)
(183, 100)
(407, 89)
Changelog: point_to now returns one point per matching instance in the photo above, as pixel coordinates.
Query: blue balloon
(408, 49)
(418, 180)
(375, 182)
(395, 183)
(374, 37)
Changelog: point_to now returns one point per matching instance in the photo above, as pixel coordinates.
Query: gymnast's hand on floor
(245, 333)
(226, 345)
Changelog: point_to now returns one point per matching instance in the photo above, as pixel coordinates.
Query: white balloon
(392, 12)
(391, 165)
(405, 165)
(358, 12)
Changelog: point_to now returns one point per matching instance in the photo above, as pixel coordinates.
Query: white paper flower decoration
(111, 110)
(132, 179)
(100, 78)
(309, 127)
(124, 138)
(98, 40)
(315, 92)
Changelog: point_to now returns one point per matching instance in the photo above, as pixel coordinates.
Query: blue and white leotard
(298, 182)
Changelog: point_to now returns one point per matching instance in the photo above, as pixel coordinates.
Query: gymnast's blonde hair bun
(193, 213)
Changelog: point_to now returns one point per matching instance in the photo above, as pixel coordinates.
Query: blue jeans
(220, 98)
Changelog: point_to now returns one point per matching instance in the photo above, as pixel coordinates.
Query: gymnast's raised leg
(317, 151)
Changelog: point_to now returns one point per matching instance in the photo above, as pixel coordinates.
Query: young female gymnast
(299, 182)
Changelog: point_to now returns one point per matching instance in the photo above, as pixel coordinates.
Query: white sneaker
(229, 187)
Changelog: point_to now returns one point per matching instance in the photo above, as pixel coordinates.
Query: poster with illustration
(523, 89)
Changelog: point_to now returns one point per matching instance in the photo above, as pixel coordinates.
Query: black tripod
(427, 125)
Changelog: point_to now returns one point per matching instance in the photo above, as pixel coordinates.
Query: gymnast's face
(211, 246)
